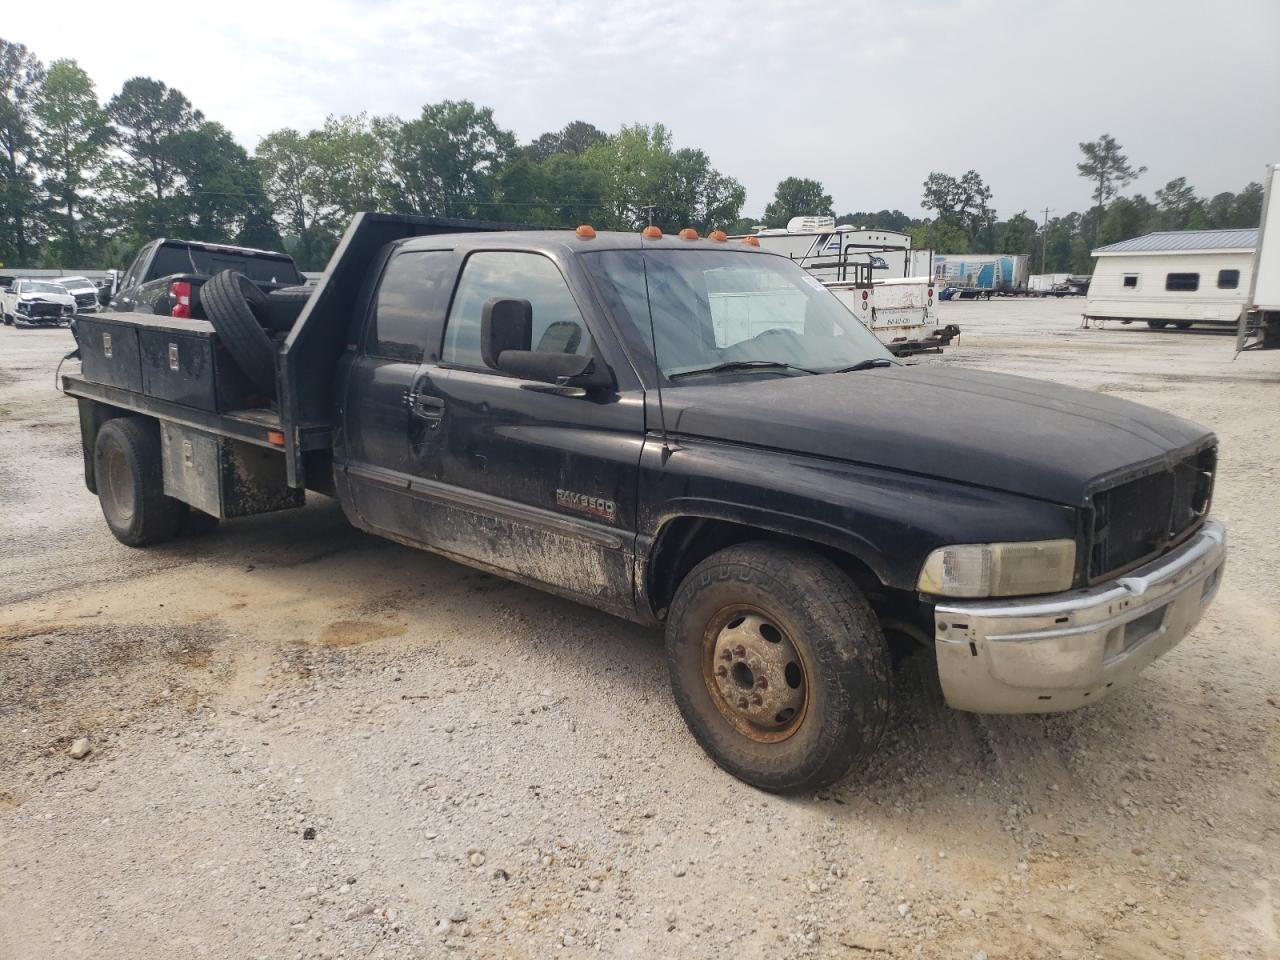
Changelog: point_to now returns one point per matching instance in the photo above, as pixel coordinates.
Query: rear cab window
(408, 312)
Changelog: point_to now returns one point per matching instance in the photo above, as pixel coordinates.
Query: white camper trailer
(1177, 278)
(1260, 320)
(822, 248)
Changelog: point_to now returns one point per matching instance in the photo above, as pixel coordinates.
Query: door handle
(428, 408)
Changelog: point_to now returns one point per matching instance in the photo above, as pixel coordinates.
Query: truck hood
(1023, 436)
(62, 298)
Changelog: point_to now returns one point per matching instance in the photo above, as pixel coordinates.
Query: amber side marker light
(586, 232)
(653, 233)
(688, 233)
(751, 241)
(275, 437)
(718, 235)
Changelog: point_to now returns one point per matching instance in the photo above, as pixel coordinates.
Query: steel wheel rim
(755, 674)
(119, 484)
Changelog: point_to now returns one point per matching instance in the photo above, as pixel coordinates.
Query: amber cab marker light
(653, 233)
(751, 241)
(688, 233)
(586, 232)
(275, 437)
(718, 235)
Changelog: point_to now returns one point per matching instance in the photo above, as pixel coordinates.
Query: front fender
(889, 521)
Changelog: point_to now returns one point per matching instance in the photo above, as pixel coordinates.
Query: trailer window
(1182, 281)
(1131, 280)
(1228, 279)
(411, 301)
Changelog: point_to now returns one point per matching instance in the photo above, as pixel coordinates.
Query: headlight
(999, 569)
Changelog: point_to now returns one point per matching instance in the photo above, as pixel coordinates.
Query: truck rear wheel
(1157, 324)
(778, 665)
(130, 481)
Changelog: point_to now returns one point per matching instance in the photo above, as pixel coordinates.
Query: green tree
(74, 135)
(574, 139)
(883, 219)
(352, 156)
(940, 236)
(219, 193)
(21, 77)
(797, 197)
(445, 161)
(149, 116)
(697, 195)
(1126, 217)
(963, 203)
(1107, 168)
(293, 177)
(1018, 235)
(1175, 201)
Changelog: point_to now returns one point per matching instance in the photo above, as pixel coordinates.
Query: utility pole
(1044, 240)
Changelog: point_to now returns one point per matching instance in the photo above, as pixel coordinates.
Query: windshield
(35, 286)
(730, 313)
(75, 283)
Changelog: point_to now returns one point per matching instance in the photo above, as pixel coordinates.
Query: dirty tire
(285, 305)
(1157, 324)
(237, 310)
(127, 469)
(829, 624)
(1184, 324)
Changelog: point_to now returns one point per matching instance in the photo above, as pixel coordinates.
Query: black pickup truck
(689, 432)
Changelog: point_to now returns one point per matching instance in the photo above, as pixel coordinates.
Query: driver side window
(558, 326)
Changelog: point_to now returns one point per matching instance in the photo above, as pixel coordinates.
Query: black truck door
(533, 479)
(381, 432)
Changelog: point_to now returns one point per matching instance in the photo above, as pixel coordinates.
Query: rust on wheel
(755, 674)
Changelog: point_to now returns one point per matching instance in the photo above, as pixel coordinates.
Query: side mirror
(561, 369)
(505, 325)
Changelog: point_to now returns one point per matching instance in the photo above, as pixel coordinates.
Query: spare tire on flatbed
(238, 311)
(284, 306)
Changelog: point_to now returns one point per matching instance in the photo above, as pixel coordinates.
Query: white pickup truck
(30, 303)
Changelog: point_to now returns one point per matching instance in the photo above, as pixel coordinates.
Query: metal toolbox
(222, 476)
(169, 358)
(109, 351)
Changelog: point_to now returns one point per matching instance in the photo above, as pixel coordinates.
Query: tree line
(85, 181)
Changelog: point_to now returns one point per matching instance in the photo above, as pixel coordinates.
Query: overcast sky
(867, 97)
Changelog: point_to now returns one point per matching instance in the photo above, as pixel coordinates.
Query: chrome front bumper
(1046, 654)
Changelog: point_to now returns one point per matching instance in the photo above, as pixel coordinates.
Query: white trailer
(1042, 284)
(1178, 278)
(1260, 320)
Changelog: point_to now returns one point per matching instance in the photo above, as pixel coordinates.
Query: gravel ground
(307, 742)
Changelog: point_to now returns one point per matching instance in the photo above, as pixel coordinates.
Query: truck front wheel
(128, 474)
(778, 665)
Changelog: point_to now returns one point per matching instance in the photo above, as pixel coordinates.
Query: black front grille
(1138, 520)
(86, 299)
(43, 309)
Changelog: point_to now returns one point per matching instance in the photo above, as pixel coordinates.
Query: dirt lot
(309, 742)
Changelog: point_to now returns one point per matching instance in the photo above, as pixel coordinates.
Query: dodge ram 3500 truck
(568, 409)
